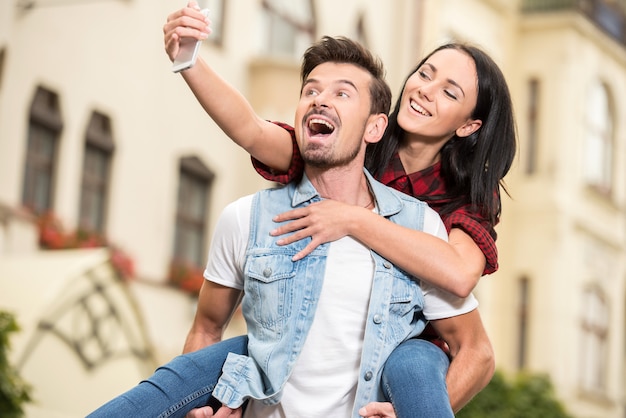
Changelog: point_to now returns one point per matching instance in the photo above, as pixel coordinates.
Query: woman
(450, 146)
(456, 105)
(441, 146)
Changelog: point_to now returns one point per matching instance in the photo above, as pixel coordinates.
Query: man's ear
(469, 128)
(375, 128)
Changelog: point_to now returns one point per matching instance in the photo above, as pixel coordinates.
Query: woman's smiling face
(439, 98)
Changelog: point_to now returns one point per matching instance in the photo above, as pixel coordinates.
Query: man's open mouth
(318, 126)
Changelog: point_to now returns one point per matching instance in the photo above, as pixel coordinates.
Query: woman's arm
(264, 140)
(455, 266)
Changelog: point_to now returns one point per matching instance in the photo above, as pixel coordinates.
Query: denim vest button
(368, 376)
(378, 319)
(387, 264)
(267, 272)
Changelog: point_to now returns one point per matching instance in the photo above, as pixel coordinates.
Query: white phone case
(188, 52)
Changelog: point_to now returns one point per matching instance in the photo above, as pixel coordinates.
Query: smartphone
(188, 52)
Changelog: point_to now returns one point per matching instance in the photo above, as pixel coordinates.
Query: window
(45, 124)
(598, 163)
(288, 27)
(193, 192)
(523, 310)
(361, 33)
(96, 167)
(217, 14)
(595, 325)
(3, 54)
(533, 121)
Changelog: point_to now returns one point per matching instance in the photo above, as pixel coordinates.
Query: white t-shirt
(324, 378)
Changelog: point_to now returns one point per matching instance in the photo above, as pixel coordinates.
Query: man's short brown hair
(342, 50)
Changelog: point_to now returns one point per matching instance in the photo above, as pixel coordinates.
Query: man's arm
(473, 362)
(264, 140)
(216, 305)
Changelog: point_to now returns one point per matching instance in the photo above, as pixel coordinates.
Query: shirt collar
(386, 201)
(426, 182)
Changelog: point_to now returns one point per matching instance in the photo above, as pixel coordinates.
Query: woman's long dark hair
(472, 167)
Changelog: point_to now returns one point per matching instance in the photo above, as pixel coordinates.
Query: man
(292, 318)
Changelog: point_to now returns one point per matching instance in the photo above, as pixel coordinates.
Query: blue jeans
(414, 380)
(176, 388)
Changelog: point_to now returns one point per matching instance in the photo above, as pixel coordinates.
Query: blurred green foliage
(526, 396)
(14, 392)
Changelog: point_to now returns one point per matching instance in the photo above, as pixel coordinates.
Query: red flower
(53, 237)
(51, 234)
(186, 276)
(122, 263)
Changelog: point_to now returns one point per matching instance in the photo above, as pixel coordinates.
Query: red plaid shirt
(427, 182)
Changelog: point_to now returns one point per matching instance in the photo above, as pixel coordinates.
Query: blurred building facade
(100, 138)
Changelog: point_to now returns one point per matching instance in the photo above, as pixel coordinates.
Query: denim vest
(280, 299)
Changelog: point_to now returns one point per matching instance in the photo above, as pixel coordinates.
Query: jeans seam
(387, 391)
(189, 398)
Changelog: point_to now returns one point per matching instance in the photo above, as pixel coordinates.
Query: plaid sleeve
(295, 170)
(482, 233)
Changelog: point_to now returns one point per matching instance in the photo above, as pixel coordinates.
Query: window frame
(599, 141)
(524, 295)
(192, 172)
(99, 144)
(593, 378)
(273, 17)
(217, 14)
(533, 116)
(45, 125)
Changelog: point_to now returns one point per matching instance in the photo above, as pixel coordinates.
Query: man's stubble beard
(320, 157)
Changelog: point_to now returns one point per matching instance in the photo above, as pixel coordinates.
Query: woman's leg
(174, 389)
(414, 380)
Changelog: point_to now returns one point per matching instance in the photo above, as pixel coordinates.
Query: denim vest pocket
(405, 308)
(270, 288)
(406, 296)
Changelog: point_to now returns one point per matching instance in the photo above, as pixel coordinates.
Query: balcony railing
(610, 18)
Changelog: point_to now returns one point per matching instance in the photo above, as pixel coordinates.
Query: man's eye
(342, 94)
